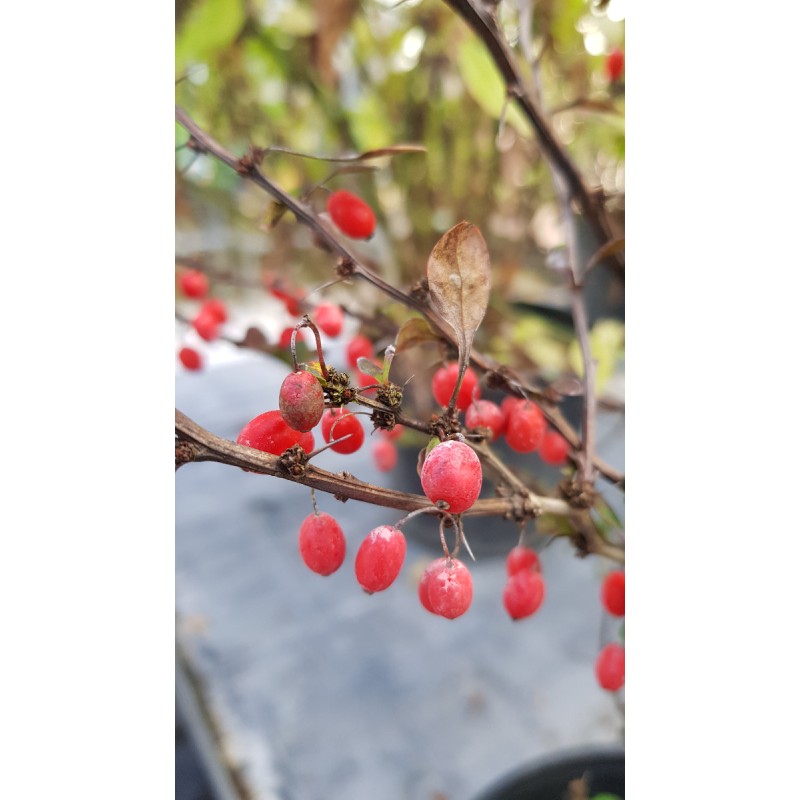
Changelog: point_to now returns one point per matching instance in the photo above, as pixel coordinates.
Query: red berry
(291, 303)
(270, 433)
(385, 454)
(207, 326)
(322, 543)
(509, 403)
(329, 319)
(351, 215)
(424, 582)
(301, 401)
(449, 587)
(525, 428)
(216, 308)
(380, 558)
(612, 593)
(394, 433)
(615, 64)
(337, 423)
(554, 448)
(444, 381)
(523, 594)
(359, 346)
(190, 358)
(610, 667)
(193, 283)
(522, 559)
(452, 472)
(485, 414)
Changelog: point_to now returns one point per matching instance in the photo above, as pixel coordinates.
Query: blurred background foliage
(338, 77)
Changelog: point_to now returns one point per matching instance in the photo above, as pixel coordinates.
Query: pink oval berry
(207, 326)
(329, 319)
(609, 667)
(193, 283)
(449, 586)
(301, 401)
(452, 472)
(270, 433)
(351, 215)
(424, 583)
(612, 593)
(359, 347)
(485, 414)
(385, 455)
(554, 448)
(522, 558)
(523, 594)
(380, 558)
(216, 308)
(525, 428)
(190, 358)
(337, 424)
(444, 382)
(322, 543)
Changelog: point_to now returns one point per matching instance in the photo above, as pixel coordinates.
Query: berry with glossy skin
(522, 559)
(612, 593)
(526, 427)
(193, 283)
(523, 594)
(329, 319)
(380, 558)
(351, 215)
(207, 326)
(609, 667)
(385, 454)
(444, 381)
(452, 472)
(270, 433)
(615, 64)
(216, 308)
(322, 543)
(449, 588)
(301, 401)
(485, 414)
(190, 358)
(554, 448)
(359, 346)
(337, 423)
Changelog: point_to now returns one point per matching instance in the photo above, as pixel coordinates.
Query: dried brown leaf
(413, 332)
(567, 386)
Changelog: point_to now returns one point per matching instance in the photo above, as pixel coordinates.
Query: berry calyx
(609, 667)
(193, 283)
(615, 64)
(385, 454)
(190, 358)
(444, 381)
(523, 594)
(351, 215)
(380, 558)
(359, 346)
(337, 423)
(526, 426)
(329, 319)
(521, 559)
(322, 543)
(554, 448)
(269, 433)
(485, 414)
(612, 593)
(452, 472)
(301, 401)
(449, 588)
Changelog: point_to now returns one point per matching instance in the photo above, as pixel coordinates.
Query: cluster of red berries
(610, 663)
(524, 591)
(207, 321)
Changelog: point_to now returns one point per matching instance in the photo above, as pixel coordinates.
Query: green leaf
(606, 343)
(210, 26)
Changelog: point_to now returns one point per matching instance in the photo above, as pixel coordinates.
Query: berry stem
(307, 323)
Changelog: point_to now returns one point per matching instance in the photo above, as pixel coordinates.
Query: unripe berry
(322, 543)
(554, 448)
(270, 433)
(337, 423)
(380, 558)
(525, 428)
(523, 594)
(193, 283)
(216, 308)
(615, 64)
(301, 401)
(190, 358)
(207, 326)
(385, 454)
(329, 319)
(449, 586)
(351, 215)
(612, 593)
(452, 472)
(521, 559)
(444, 381)
(359, 346)
(609, 667)
(485, 414)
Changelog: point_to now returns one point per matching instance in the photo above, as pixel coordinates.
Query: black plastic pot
(603, 769)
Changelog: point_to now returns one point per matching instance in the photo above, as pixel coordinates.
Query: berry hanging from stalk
(301, 401)
(380, 558)
(452, 473)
